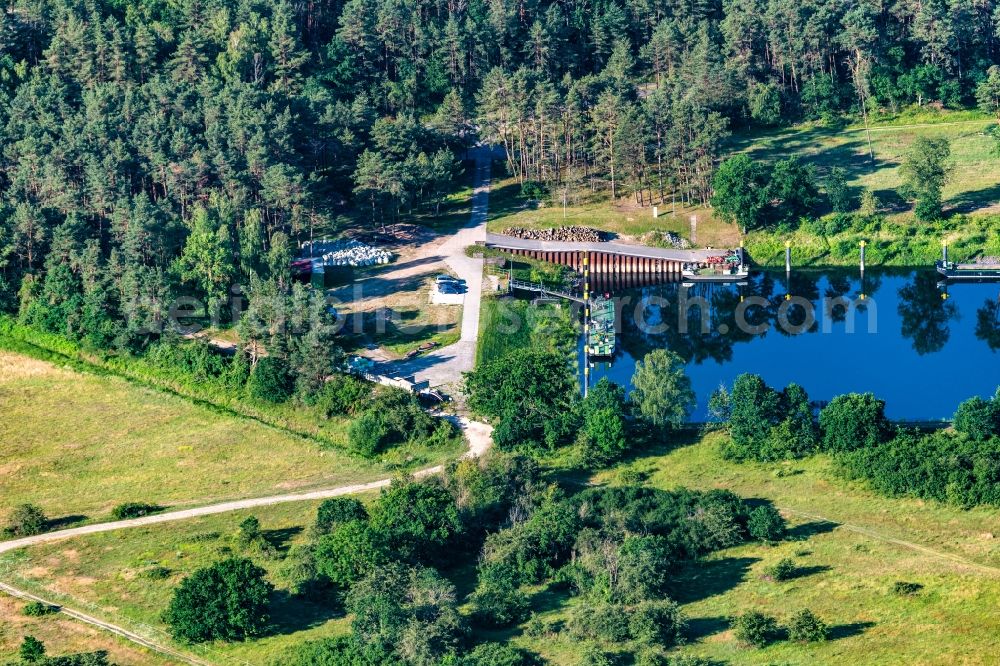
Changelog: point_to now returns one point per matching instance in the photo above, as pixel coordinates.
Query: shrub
(351, 551)
(499, 605)
(838, 191)
(155, 573)
(419, 520)
(270, 380)
(343, 394)
(532, 189)
(854, 421)
(755, 628)
(978, 418)
(650, 622)
(593, 655)
(226, 601)
(631, 476)
(783, 569)
(32, 650)
(942, 466)
(337, 510)
(39, 609)
(134, 510)
(498, 654)
(766, 524)
(651, 656)
(27, 520)
(805, 627)
(299, 572)
(367, 434)
(601, 622)
(603, 438)
(394, 417)
(657, 623)
(335, 651)
(905, 588)
(536, 627)
(250, 537)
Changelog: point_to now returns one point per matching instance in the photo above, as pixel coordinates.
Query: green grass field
(63, 635)
(973, 186)
(508, 209)
(78, 444)
(850, 547)
(102, 574)
(507, 324)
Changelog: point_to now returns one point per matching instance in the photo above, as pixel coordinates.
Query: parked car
(447, 279)
(451, 288)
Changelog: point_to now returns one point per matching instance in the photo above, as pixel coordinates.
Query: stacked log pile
(558, 234)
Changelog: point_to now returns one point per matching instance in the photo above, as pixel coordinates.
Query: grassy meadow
(78, 444)
(507, 324)
(973, 186)
(593, 209)
(62, 635)
(849, 546)
(107, 576)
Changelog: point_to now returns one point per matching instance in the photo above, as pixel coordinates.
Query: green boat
(601, 336)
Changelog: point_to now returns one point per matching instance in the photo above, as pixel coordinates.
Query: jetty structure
(981, 270)
(607, 266)
(729, 267)
(606, 259)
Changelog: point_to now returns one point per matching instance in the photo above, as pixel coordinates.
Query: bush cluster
(39, 609)
(757, 629)
(765, 424)
(394, 417)
(26, 520)
(134, 510)
(939, 466)
(655, 622)
(959, 466)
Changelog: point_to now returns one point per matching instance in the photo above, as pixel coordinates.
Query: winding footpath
(477, 434)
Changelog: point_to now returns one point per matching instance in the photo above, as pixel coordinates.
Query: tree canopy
(228, 600)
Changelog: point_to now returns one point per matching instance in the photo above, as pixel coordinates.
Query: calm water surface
(920, 346)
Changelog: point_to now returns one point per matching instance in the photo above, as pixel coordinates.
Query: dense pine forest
(154, 148)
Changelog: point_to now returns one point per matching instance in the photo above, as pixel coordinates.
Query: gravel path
(477, 434)
(446, 365)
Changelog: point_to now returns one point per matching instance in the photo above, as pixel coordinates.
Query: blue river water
(920, 345)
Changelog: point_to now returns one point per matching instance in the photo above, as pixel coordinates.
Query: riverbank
(888, 243)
